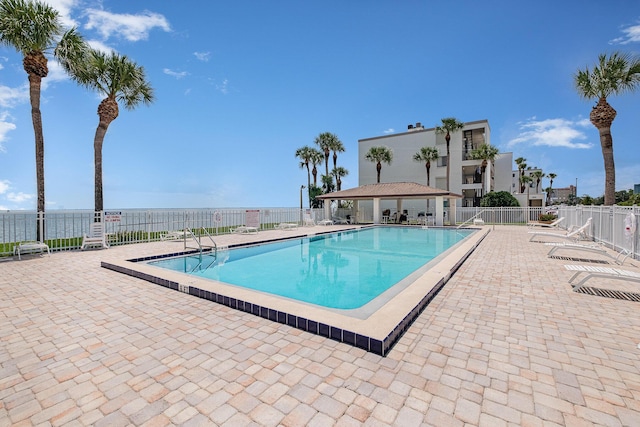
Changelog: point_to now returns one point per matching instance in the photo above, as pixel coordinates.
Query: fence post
(40, 232)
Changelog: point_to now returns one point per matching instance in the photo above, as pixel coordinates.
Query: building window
(442, 161)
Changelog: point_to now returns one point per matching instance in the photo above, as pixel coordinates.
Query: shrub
(498, 199)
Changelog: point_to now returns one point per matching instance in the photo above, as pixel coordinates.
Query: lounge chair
(589, 247)
(176, 235)
(589, 271)
(574, 235)
(325, 222)
(30, 246)
(287, 226)
(243, 229)
(308, 220)
(339, 220)
(554, 224)
(96, 237)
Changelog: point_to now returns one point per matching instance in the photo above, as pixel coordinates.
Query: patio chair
(287, 226)
(30, 246)
(554, 224)
(243, 229)
(96, 237)
(589, 272)
(339, 220)
(308, 220)
(589, 247)
(573, 235)
(176, 235)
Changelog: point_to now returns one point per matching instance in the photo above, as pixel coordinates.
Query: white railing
(63, 230)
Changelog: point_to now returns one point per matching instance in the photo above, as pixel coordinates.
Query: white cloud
(11, 96)
(64, 8)
(5, 128)
(176, 74)
(224, 87)
(202, 56)
(100, 46)
(631, 35)
(19, 197)
(130, 27)
(552, 133)
(4, 186)
(388, 131)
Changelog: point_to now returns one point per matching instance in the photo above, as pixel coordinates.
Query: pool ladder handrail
(471, 219)
(201, 246)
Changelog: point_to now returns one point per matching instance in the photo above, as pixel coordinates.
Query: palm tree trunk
(98, 140)
(36, 117)
(606, 141)
(378, 169)
(448, 139)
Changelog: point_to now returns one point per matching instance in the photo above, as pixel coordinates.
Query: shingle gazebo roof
(390, 190)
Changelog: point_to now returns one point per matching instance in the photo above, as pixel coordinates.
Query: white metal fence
(63, 229)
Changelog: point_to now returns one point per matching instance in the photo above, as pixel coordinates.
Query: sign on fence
(252, 218)
(112, 216)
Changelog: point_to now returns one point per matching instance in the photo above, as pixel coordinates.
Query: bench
(30, 247)
(95, 238)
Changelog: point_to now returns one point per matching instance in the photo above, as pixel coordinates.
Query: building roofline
(414, 131)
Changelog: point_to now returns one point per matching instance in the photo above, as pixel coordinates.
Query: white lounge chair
(589, 247)
(308, 220)
(176, 235)
(554, 224)
(30, 246)
(574, 235)
(325, 222)
(96, 237)
(243, 229)
(589, 271)
(287, 226)
(339, 220)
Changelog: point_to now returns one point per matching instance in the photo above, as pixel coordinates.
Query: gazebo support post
(452, 212)
(439, 211)
(376, 211)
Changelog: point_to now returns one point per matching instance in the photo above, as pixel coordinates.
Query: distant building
(636, 188)
(562, 195)
(465, 176)
(534, 192)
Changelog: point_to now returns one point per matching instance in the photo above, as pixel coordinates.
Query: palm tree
(448, 126)
(315, 160)
(522, 165)
(304, 154)
(119, 79)
(487, 153)
(524, 181)
(537, 176)
(339, 173)
(427, 155)
(551, 177)
(379, 155)
(33, 29)
(614, 75)
(327, 183)
(326, 141)
(337, 147)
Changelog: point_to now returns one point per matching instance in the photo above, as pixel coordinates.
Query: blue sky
(240, 85)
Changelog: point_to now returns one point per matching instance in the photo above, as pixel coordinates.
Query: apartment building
(465, 173)
(533, 194)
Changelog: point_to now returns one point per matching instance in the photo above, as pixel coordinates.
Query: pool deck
(506, 342)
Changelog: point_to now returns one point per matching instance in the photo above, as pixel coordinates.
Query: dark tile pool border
(373, 345)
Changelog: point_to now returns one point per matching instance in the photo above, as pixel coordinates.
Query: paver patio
(505, 343)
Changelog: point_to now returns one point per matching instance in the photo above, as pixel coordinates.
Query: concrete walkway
(505, 343)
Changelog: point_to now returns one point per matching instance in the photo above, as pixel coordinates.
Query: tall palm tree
(379, 155)
(339, 173)
(551, 177)
(315, 160)
(524, 181)
(326, 141)
(119, 79)
(487, 153)
(337, 147)
(427, 155)
(537, 177)
(522, 165)
(448, 126)
(304, 154)
(612, 75)
(33, 29)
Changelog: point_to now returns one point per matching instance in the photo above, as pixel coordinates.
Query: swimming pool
(343, 270)
(374, 327)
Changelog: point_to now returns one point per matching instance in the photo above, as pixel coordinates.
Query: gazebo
(394, 191)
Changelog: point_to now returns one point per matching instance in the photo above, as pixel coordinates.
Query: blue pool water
(343, 270)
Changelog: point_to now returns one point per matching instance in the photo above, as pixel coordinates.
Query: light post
(302, 187)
